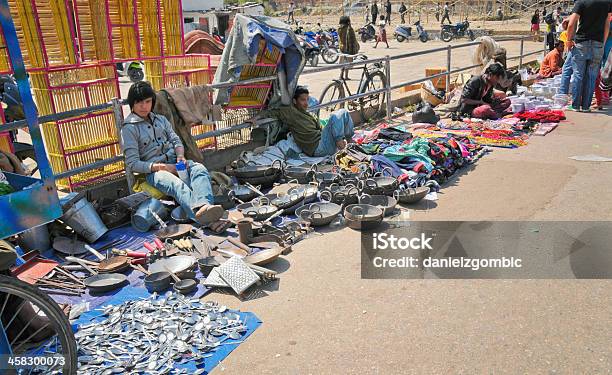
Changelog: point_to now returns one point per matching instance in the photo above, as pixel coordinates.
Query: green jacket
(348, 40)
(303, 125)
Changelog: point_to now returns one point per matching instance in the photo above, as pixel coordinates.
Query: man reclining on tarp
(151, 147)
(305, 127)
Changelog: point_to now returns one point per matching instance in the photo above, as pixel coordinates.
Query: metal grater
(237, 274)
(214, 279)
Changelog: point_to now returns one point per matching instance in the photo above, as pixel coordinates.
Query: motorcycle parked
(403, 32)
(368, 32)
(311, 49)
(459, 30)
(328, 43)
(131, 69)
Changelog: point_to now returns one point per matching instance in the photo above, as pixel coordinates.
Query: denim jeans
(586, 62)
(339, 126)
(189, 197)
(566, 74)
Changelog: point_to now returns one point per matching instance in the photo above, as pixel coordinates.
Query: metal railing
(117, 105)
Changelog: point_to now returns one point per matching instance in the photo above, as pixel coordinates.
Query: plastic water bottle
(181, 169)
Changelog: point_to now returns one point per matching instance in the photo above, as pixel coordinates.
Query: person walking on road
(388, 12)
(535, 25)
(587, 30)
(367, 14)
(382, 32)
(402, 11)
(291, 9)
(374, 12)
(347, 42)
(437, 12)
(446, 14)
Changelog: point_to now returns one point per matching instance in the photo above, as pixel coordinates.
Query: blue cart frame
(35, 201)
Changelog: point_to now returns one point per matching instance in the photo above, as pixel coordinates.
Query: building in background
(203, 5)
(221, 19)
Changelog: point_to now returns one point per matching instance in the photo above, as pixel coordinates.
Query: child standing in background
(382, 32)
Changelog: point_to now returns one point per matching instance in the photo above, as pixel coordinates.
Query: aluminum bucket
(143, 220)
(83, 218)
(36, 238)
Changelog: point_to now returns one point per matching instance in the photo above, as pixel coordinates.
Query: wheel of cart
(35, 334)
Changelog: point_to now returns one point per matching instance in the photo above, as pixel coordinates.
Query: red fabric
(382, 36)
(598, 92)
(541, 116)
(494, 111)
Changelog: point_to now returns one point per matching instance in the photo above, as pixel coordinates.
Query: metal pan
(287, 200)
(411, 195)
(157, 281)
(173, 231)
(303, 175)
(244, 193)
(265, 256)
(265, 181)
(251, 170)
(363, 216)
(98, 283)
(178, 264)
(319, 214)
(69, 246)
(384, 202)
(260, 213)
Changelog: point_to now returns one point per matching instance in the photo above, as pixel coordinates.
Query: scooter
(368, 32)
(459, 30)
(131, 69)
(403, 32)
(423, 36)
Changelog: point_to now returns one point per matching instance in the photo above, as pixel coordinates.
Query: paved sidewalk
(324, 319)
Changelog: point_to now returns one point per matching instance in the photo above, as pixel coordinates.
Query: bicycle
(35, 334)
(372, 78)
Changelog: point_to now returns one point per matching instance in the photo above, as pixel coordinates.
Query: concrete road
(322, 318)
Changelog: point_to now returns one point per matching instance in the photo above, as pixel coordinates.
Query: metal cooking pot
(250, 170)
(378, 185)
(302, 175)
(384, 202)
(319, 214)
(260, 213)
(411, 195)
(363, 216)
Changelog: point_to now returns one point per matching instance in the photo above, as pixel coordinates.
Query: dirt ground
(322, 318)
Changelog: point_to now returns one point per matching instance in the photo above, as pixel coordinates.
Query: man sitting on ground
(478, 99)
(553, 62)
(305, 127)
(151, 147)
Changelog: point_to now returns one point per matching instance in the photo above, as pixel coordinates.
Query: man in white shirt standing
(290, 18)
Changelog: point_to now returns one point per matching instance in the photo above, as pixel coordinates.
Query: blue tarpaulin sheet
(132, 240)
(222, 351)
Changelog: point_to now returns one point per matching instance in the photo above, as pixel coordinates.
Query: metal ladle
(182, 286)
